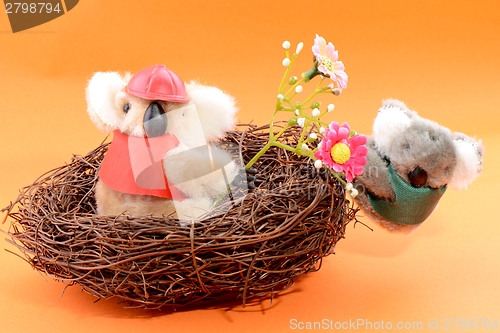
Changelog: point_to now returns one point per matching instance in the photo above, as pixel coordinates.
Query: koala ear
(216, 109)
(392, 120)
(469, 160)
(101, 92)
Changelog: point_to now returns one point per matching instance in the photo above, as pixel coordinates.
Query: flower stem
(337, 176)
(282, 84)
(311, 73)
(293, 86)
(258, 155)
(316, 91)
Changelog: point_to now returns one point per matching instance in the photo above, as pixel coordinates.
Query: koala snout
(155, 120)
(417, 177)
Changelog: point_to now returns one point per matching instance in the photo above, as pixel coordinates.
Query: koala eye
(126, 107)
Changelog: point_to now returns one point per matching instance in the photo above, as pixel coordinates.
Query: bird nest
(275, 233)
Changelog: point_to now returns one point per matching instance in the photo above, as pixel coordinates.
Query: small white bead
(316, 112)
(299, 47)
(331, 107)
(286, 45)
(286, 62)
(298, 89)
(318, 164)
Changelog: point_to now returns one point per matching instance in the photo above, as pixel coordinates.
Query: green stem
(301, 140)
(272, 142)
(258, 155)
(271, 125)
(294, 86)
(316, 91)
(283, 146)
(282, 84)
(336, 175)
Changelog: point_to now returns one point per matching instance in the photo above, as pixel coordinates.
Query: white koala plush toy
(160, 161)
(410, 163)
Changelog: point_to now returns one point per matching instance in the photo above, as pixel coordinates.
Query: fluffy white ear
(101, 92)
(469, 161)
(392, 120)
(216, 109)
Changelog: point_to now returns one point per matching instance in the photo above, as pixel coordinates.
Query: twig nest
(278, 231)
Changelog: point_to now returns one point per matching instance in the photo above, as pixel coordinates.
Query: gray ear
(469, 160)
(216, 109)
(101, 92)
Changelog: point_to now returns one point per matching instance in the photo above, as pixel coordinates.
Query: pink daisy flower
(342, 152)
(328, 64)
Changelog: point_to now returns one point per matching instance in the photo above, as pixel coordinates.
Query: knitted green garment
(412, 205)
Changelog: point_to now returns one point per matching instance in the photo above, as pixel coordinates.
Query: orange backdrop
(440, 57)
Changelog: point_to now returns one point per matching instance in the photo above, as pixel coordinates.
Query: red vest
(135, 165)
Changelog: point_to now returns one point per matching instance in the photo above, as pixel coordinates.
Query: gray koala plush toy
(410, 163)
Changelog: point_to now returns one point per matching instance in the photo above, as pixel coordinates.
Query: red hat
(158, 83)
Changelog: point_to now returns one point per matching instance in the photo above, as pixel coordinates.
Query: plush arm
(375, 179)
(197, 172)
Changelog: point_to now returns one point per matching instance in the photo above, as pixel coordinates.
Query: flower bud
(354, 193)
(349, 186)
(318, 164)
(336, 91)
(292, 121)
(301, 121)
(313, 136)
(298, 89)
(298, 105)
(286, 45)
(299, 47)
(315, 105)
(321, 130)
(330, 107)
(297, 112)
(280, 97)
(305, 147)
(286, 62)
(316, 113)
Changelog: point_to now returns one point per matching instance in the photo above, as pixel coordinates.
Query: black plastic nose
(155, 120)
(417, 177)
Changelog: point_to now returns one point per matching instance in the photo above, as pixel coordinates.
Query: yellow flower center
(340, 153)
(327, 63)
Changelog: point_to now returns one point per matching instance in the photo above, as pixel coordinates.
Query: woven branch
(278, 231)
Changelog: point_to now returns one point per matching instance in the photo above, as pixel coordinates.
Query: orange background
(440, 57)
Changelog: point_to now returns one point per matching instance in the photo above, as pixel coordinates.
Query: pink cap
(158, 83)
